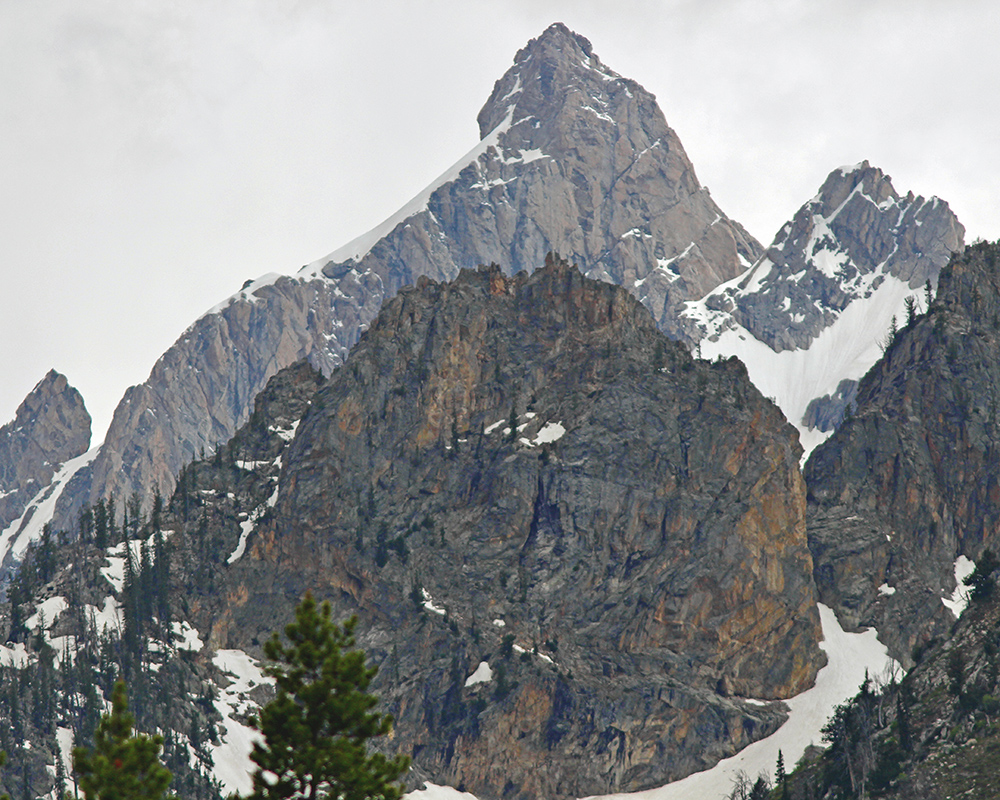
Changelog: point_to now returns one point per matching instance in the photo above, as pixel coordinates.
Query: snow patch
(432, 791)
(959, 599)
(231, 758)
(28, 527)
(49, 610)
(14, 656)
(483, 674)
(253, 466)
(190, 640)
(550, 432)
(247, 526)
(886, 590)
(429, 603)
(65, 739)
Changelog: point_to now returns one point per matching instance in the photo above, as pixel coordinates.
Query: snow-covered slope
(843, 351)
(815, 311)
(28, 527)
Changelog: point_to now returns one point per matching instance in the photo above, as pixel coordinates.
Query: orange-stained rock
(646, 577)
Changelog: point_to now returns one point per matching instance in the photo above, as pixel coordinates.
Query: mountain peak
(576, 160)
(558, 35)
(556, 68)
(50, 427)
(870, 181)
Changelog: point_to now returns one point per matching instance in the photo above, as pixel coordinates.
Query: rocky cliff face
(910, 480)
(575, 550)
(574, 158)
(203, 387)
(809, 319)
(49, 428)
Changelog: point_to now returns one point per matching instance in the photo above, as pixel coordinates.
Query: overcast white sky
(155, 155)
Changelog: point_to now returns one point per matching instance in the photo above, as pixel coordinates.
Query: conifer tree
(121, 765)
(512, 424)
(317, 727)
(781, 777)
(981, 582)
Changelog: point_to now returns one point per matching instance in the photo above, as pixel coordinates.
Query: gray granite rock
(50, 427)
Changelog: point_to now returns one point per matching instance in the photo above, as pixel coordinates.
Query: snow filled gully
(849, 657)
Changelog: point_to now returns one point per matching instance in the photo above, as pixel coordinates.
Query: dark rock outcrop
(630, 559)
(912, 478)
(827, 412)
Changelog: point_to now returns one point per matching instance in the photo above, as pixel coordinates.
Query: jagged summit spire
(839, 184)
(548, 73)
(556, 35)
(573, 158)
(909, 237)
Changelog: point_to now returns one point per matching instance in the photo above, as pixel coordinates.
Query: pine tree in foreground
(317, 727)
(121, 765)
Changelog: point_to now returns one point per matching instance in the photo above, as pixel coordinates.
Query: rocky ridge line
(574, 158)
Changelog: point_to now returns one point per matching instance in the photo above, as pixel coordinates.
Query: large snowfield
(847, 349)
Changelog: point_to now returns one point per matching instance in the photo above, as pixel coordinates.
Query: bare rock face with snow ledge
(630, 561)
(811, 316)
(840, 247)
(50, 427)
(574, 158)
